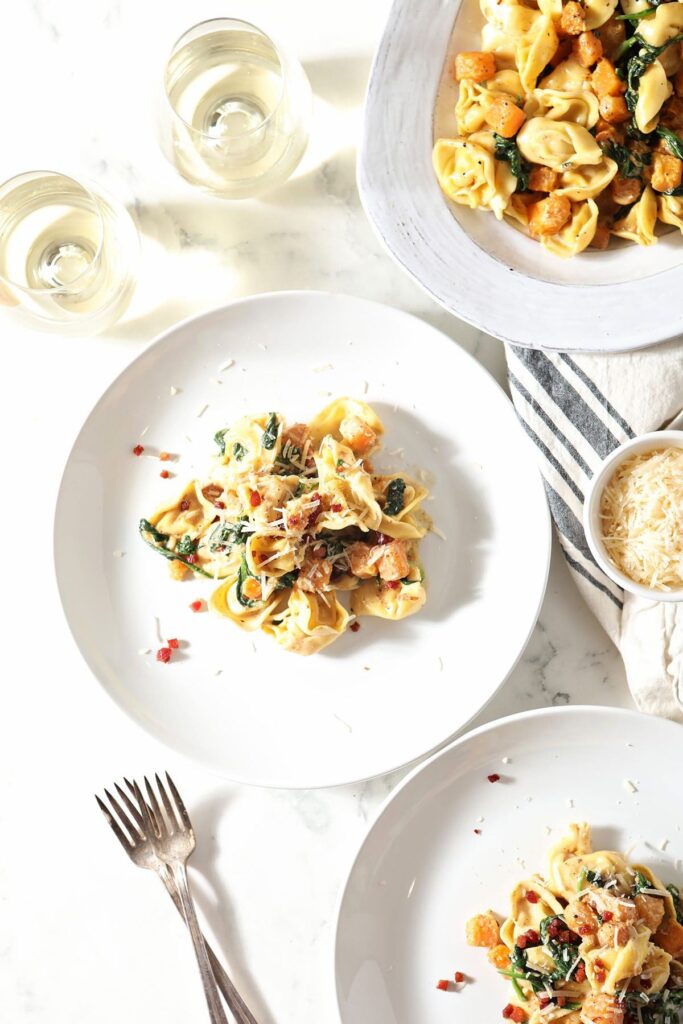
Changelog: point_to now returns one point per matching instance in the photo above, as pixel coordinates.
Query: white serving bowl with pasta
(657, 440)
(479, 267)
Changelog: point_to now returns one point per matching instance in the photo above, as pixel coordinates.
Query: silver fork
(137, 839)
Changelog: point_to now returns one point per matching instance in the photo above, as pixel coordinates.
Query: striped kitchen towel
(576, 409)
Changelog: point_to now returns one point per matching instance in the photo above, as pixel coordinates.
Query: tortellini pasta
(560, 145)
(577, 105)
(289, 517)
(666, 23)
(639, 223)
(587, 182)
(588, 942)
(653, 91)
(569, 120)
(469, 173)
(534, 50)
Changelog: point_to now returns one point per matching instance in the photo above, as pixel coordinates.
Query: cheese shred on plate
(642, 518)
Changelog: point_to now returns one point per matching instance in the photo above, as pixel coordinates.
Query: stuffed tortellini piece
(469, 173)
(295, 522)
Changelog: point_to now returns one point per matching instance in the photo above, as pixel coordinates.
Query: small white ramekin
(591, 509)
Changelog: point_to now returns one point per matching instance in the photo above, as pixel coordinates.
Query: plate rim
(533, 714)
(539, 296)
(205, 762)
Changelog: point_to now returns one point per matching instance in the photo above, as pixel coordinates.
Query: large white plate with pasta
(449, 844)
(478, 267)
(242, 702)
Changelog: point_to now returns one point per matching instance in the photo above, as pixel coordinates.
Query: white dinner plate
(422, 871)
(375, 699)
(481, 269)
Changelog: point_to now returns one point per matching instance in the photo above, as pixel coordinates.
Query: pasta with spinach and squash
(570, 121)
(597, 941)
(289, 518)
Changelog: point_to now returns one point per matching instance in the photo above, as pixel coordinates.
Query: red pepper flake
(531, 896)
(607, 915)
(336, 507)
(494, 777)
(192, 559)
(164, 654)
(459, 977)
(442, 985)
(477, 831)
(254, 499)
(164, 474)
(354, 627)
(580, 972)
(138, 450)
(393, 584)
(197, 606)
(599, 969)
(184, 505)
(174, 644)
(315, 512)
(164, 456)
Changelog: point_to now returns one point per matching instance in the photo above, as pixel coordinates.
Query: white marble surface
(83, 935)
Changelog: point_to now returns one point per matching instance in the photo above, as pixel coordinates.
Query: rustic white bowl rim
(591, 509)
(637, 303)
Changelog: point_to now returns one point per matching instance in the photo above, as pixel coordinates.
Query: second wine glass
(236, 109)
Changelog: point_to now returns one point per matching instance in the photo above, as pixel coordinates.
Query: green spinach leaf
(395, 497)
(239, 451)
(158, 543)
(271, 432)
(507, 150)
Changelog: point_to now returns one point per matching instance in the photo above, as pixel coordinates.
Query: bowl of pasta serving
(546, 170)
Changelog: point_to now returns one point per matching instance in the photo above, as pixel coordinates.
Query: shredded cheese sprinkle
(642, 518)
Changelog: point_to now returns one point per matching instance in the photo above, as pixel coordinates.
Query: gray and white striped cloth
(576, 409)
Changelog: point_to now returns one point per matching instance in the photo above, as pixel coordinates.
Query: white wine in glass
(68, 253)
(237, 109)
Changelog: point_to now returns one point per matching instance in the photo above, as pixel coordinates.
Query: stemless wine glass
(237, 108)
(68, 254)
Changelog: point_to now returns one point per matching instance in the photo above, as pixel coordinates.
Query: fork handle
(214, 1004)
(236, 1004)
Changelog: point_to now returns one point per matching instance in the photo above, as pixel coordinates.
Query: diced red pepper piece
(336, 507)
(138, 450)
(192, 559)
(164, 474)
(164, 456)
(493, 777)
(442, 985)
(459, 977)
(184, 505)
(174, 644)
(354, 627)
(254, 499)
(197, 606)
(531, 896)
(164, 654)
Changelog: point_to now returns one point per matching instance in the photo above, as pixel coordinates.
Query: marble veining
(83, 934)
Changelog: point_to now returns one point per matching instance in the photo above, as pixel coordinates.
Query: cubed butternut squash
(504, 116)
(549, 216)
(475, 65)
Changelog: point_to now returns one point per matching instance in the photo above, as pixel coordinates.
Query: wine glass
(236, 110)
(68, 253)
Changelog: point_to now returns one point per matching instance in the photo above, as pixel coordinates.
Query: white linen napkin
(576, 409)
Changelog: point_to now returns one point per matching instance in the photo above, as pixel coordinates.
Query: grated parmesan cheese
(642, 518)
